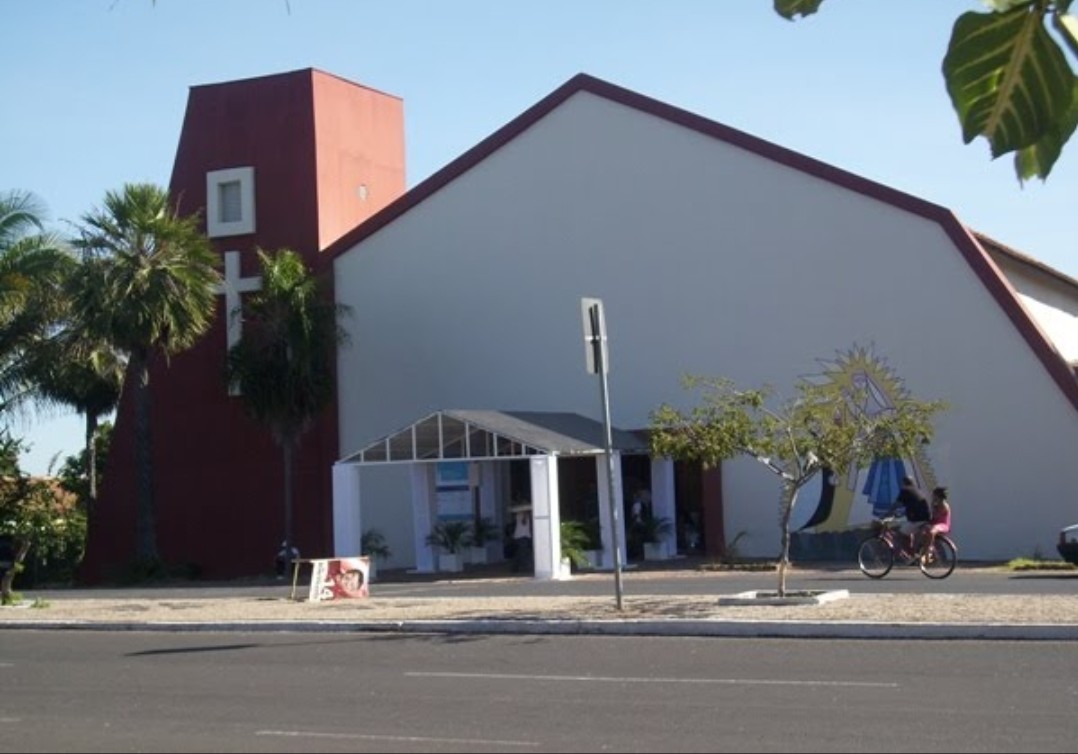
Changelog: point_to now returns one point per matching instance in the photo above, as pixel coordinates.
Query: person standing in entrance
(522, 539)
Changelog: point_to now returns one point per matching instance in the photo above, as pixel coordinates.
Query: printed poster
(339, 578)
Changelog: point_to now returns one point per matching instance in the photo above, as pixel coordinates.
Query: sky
(94, 93)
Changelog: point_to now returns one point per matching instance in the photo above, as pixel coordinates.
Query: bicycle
(877, 555)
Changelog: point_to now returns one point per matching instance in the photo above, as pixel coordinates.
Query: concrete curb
(672, 628)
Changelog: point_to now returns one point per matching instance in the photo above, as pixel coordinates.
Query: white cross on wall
(232, 287)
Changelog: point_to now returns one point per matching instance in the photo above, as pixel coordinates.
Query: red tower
(291, 160)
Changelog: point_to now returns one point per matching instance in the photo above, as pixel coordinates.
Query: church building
(463, 394)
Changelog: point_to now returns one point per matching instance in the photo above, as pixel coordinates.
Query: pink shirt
(941, 518)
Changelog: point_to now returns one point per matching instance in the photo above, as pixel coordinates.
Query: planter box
(566, 571)
(793, 597)
(595, 559)
(654, 551)
(450, 562)
(477, 555)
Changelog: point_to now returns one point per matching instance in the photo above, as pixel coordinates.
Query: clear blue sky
(94, 92)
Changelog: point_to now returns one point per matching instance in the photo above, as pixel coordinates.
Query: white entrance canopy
(484, 437)
(495, 435)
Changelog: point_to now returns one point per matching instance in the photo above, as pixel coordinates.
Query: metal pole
(608, 447)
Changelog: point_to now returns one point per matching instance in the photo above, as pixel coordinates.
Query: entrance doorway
(688, 491)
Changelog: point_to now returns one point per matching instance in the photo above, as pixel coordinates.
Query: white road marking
(404, 739)
(630, 679)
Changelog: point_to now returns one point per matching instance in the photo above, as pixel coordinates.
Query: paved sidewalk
(671, 605)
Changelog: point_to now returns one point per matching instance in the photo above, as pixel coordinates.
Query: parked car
(1068, 544)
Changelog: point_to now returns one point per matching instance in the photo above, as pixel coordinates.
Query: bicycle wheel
(940, 561)
(875, 557)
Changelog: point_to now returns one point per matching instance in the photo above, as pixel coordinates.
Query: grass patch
(738, 565)
(1038, 564)
(15, 598)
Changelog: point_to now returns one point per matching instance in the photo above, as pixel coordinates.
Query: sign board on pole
(591, 310)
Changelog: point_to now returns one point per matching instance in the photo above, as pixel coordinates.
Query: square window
(230, 196)
(228, 202)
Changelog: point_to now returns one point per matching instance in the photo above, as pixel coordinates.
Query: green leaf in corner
(790, 8)
(1036, 161)
(1008, 80)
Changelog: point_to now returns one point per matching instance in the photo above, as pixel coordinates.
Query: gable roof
(966, 242)
(459, 434)
(992, 246)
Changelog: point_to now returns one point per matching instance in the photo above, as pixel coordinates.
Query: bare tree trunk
(789, 498)
(7, 583)
(91, 462)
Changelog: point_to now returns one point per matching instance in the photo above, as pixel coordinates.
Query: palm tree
(33, 266)
(283, 364)
(85, 373)
(155, 273)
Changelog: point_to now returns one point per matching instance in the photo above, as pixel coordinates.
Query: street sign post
(598, 363)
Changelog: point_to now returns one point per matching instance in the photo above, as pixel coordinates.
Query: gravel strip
(884, 609)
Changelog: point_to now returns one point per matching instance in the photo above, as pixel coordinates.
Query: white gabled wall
(1051, 302)
(710, 260)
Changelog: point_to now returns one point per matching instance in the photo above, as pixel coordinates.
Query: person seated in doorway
(285, 557)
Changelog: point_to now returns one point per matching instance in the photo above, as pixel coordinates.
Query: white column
(488, 492)
(488, 508)
(605, 522)
(663, 503)
(347, 520)
(423, 516)
(546, 519)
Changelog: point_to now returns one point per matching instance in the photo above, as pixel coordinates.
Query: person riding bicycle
(940, 521)
(914, 505)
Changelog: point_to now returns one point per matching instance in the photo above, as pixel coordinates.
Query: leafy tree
(283, 363)
(74, 473)
(34, 513)
(82, 370)
(33, 266)
(148, 289)
(822, 427)
(1008, 76)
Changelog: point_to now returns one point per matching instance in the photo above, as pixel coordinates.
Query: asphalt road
(132, 691)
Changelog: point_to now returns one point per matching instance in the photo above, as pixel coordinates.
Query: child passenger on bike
(940, 523)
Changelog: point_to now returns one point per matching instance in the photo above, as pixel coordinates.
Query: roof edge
(583, 82)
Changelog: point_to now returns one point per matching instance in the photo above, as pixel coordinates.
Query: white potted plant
(373, 544)
(574, 538)
(483, 533)
(594, 550)
(653, 532)
(450, 537)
